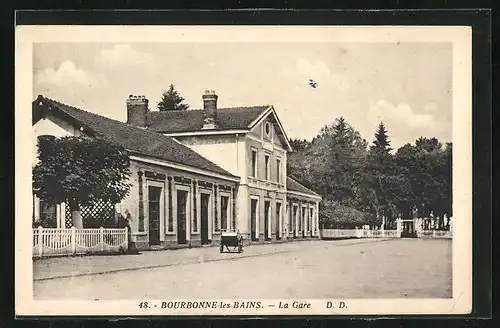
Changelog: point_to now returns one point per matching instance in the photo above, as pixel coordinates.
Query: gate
(408, 230)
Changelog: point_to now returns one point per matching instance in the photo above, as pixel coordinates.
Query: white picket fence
(57, 242)
(357, 233)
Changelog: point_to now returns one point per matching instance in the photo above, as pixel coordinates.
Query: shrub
(336, 216)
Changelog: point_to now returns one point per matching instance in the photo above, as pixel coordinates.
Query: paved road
(399, 268)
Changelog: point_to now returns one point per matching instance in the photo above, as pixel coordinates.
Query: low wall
(356, 233)
(363, 233)
(437, 234)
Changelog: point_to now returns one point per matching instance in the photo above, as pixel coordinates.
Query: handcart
(232, 241)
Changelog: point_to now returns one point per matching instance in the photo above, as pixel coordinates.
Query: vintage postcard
(243, 170)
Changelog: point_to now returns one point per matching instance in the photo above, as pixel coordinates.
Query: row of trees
(362, 183)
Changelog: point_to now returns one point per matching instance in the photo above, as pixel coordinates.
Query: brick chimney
(209, 110)
(137, 110)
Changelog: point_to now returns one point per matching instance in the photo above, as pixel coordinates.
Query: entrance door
(294, 221)
(278, 220)
(267, 207)
(181, 216)
(205, 200)
(303, 222)
(154, 194)
(253, 219)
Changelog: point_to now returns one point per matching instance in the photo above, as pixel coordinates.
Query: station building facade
(195, 173)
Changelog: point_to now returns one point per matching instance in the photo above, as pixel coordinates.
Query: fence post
(40, 241)
(126, 237)
(73, 240)
(102, 238)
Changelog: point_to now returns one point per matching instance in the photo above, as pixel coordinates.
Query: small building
(195, 173)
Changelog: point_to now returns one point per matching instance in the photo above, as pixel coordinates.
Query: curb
(155, 266)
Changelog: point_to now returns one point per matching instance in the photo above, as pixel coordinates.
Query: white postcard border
(459, 36)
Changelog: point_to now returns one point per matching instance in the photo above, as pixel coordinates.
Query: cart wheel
(221, 248)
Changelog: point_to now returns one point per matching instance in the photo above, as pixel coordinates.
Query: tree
(79, 171)
(331, 165)
(171, 100)
(380, 175)
(381, 143)
(299, 145)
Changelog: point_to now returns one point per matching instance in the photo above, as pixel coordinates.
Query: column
(214, 202)
(399, 227)
(170, 214)
(233, 212)
(297, 218)
(141, 204)
(316, 218)
(195, 207)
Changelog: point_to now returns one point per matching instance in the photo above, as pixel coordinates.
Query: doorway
(181, 216)
(267, 208)
(253, 219)
(278, 221)
(294, 221)
(205, 201)
(303, 222)
(154, 197)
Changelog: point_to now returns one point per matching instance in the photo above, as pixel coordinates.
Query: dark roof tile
(192, 119)
(293, 185)
(135, 139)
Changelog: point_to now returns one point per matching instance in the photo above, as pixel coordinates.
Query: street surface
(369, 268)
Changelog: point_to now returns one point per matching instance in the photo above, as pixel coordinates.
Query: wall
(302, 230)
(169, 239)
(220, 149)
(50, 126)
(274, 154)
(264, 195)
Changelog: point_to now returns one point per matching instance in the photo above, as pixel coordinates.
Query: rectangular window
(253, 219)
(278, 170)
(267, 167)
(254, 163)
(224, 207)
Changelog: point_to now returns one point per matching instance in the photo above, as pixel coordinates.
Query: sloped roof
(293, 185)
(192, 119)
(130, 137)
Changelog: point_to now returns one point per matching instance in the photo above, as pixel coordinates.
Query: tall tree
(171, 100)
(80, 171)
(381, 144)
(331, 165)
(380, 175)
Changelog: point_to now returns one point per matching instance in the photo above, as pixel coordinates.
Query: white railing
(53, 242)
(447, 234)
(358, 233)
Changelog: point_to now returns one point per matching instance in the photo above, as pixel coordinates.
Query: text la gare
(294, 305)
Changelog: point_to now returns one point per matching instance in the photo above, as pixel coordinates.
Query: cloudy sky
(407, 85)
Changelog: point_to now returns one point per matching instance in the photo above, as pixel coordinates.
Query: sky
(406, 85)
